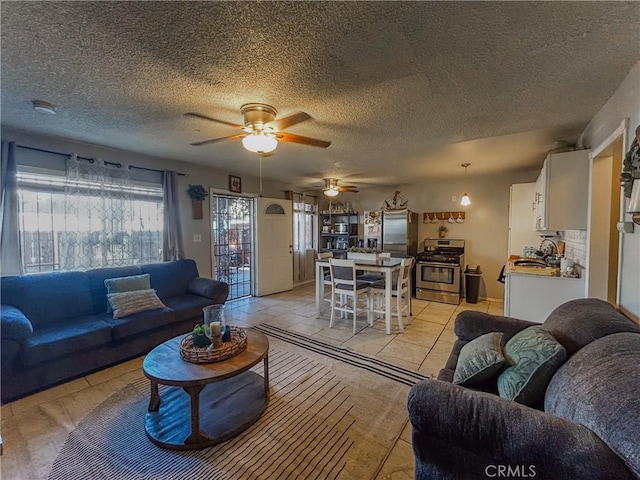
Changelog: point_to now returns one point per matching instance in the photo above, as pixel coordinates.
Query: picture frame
(235, 184)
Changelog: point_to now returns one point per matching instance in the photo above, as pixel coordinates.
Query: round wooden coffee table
(205, 403)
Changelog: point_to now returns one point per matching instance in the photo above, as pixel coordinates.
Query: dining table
(386, 266)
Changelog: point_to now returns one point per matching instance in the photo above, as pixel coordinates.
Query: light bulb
(259, 143)
(465, 200)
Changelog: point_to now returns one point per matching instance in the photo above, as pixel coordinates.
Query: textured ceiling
(404, 90)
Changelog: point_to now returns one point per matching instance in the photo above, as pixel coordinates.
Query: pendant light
(465, 200)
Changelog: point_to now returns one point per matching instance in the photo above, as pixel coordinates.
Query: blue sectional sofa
(55, 326)
(587, 428)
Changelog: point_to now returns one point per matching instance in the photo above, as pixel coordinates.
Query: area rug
(333, 414)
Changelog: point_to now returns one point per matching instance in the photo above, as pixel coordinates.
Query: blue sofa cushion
(15, 325)
(170, 279)
(139, 322)
(57, 340)
(187, 306)
(579, 322)
(97, 278)
(598, 388)
(49, 298)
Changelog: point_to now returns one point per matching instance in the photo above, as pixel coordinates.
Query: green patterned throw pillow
(533, 356)
(479, 360)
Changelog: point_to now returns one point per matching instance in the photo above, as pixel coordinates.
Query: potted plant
(197, 194)
(200, 339)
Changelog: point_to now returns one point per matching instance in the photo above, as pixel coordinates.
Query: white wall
(624, 103)
(486, 227)
(208, 177)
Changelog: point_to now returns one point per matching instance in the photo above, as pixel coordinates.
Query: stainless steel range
(439, 270)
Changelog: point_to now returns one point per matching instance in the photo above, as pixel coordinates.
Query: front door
(274, 246)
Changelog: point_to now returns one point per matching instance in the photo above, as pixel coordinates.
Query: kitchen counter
(533, 297)
(547, 272)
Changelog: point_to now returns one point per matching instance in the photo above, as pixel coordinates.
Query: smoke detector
(44, 107)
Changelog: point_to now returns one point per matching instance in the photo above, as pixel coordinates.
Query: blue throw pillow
(534, 356)
(127, 284)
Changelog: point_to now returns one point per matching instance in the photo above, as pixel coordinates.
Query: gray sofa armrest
(486, 430)
(213, 289)
(470, 324)
(14, 324)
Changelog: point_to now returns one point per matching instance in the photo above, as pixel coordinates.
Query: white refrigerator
(521, 218)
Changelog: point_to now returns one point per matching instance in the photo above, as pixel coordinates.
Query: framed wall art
(235, 184)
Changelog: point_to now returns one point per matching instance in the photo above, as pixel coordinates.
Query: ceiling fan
(261, 130)
(331, 187)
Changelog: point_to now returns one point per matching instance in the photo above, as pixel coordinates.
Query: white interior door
(274, 246)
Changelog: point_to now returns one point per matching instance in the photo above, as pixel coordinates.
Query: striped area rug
(332, 414)
(375, 365)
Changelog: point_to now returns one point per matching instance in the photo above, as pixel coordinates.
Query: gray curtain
(172, 248)
(9, 234)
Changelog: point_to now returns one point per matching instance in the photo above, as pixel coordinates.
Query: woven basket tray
(222, 351)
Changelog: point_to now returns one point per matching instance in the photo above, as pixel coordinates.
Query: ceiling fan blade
(215, 140)
(204, 117)
(348, 190)
(286, 122)
(290, 137)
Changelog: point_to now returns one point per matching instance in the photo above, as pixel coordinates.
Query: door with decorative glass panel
(274, 246)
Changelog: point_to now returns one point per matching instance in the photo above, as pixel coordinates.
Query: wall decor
(197, 193)
(235, 184)
(451, 217)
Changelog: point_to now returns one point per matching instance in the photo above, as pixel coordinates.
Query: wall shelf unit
(338, 232)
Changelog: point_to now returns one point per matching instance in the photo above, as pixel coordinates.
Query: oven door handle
(436, 264)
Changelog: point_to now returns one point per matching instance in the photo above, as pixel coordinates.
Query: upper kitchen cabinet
(561, 196)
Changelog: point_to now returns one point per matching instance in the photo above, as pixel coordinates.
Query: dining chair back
(401, 290)
(347, 292)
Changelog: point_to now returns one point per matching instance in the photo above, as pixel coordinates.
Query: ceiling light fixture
(465, 200)
(331, 192)
(43, 107)
(260, 142)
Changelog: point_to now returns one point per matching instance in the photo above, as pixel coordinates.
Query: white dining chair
(372, 277)
(326, 277)
(400, 290)
(348, 293)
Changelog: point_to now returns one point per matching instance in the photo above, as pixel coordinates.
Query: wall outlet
(197, 237)
(454, 198)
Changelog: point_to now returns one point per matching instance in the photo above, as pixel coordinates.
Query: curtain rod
(91, 160)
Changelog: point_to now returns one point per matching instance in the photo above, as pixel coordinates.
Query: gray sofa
(588, 427)
(55, 326)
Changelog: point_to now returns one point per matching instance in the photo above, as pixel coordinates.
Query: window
(98, 226)
(304, 226)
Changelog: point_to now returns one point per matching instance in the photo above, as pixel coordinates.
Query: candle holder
(214, 323)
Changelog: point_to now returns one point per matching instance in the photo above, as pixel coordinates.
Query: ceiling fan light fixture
(260, 142)
(331, 192)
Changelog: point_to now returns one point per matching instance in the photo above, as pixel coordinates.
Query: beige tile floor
(424, 346)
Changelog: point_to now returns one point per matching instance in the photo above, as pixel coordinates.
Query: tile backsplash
(575, 245)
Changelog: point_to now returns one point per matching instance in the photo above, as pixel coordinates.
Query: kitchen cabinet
(533, 297)
(560, 201)
(522, 230)
(338, 232)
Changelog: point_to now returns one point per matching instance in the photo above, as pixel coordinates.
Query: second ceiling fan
(261, 130)
(331, 187)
